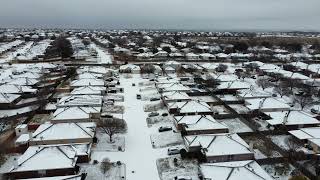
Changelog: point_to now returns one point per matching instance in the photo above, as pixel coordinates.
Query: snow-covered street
(103, 56)
(139, 156)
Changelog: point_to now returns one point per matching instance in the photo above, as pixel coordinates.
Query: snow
(139, 155)
(103, 56)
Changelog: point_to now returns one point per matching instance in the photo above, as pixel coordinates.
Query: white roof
(62, 131)
(293, 118)
(219, 144)
(175, 95)
(173, 87)
(306, 133)
(74, 113)
(72, 177)
(88, 90)
(37, 158)
(16, 89)
(80, 100)
(87, 82)
(199, 122)
(249, 170)
(234, 85)
(190, 106)
(266, 103)
(8, 98)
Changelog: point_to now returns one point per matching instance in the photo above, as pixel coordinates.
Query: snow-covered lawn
(94, 171)
(280, 171)
(104, 143)
(287, 142)
(166, 139)
(168, 169)
(235, 125)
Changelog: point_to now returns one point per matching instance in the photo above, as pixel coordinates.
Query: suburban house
(199, 124)
(87, 82)
(175, 96)
(310, 136)
(130, 68)
(267, 104)
(89, 90)
(48, 161)
(291, 119)
(80, 100)
(75, 114)
(9, 100)
(172, 87)
(191, 107)
(219, 147)
(233, 170)
(60, 133)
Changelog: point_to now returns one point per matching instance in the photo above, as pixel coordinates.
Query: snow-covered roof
(173, 87)
(71, 177)
(80, 100)
(87, 82)
(253, 93)
(16, 89)
(290, 118)
(266, 104)
(63, 131)
(191, 106)
(234, 85)
(74, 113)
(175, 96)
(37, 158)
(249, 170)
(218, 144)
(8, 98)
(88, 90)
(199, 122)
(307, 133)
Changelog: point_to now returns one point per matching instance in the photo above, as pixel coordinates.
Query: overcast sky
(163, 14)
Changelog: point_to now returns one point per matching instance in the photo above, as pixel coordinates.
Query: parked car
(133, 84)
(138, 96)
(314, 111)
(153, 114)
(154, 99)
(173, 151)
(182, 178)
(164, 114)
(164, 128)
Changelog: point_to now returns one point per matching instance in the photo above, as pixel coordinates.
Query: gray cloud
(164, 14)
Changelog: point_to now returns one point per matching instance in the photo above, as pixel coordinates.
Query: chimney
(30, 136)
(251, 146)
(15, 163)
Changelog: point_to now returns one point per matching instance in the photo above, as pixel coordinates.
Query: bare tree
(105, 165)
(112, 126)
(264, 83)
(221, 68)
(303, 100)
(283, 89)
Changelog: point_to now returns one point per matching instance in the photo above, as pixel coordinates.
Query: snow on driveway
(139, 155)
(103, 56)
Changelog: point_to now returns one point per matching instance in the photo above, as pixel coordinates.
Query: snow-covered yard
(165, 139)
(104, 143)
(168, 168)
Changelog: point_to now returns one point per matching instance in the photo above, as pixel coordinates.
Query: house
(169, 70)
(172, 87)
(210, 67)
(252, 94)
(192, 56)
(9, 100)
(70, 177)
(80, 100)
(75, 114)
(59, 133)
(291, 119)
(266, 104)
(17, 89)
(233, 85)
(310, 136)
(89, 90)
(130, 68)
(87, 82)
(207, 56)
(175, 96)
(191, 107)
(48, 161)
(233, 170)
(199, 124)
(219, 147)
